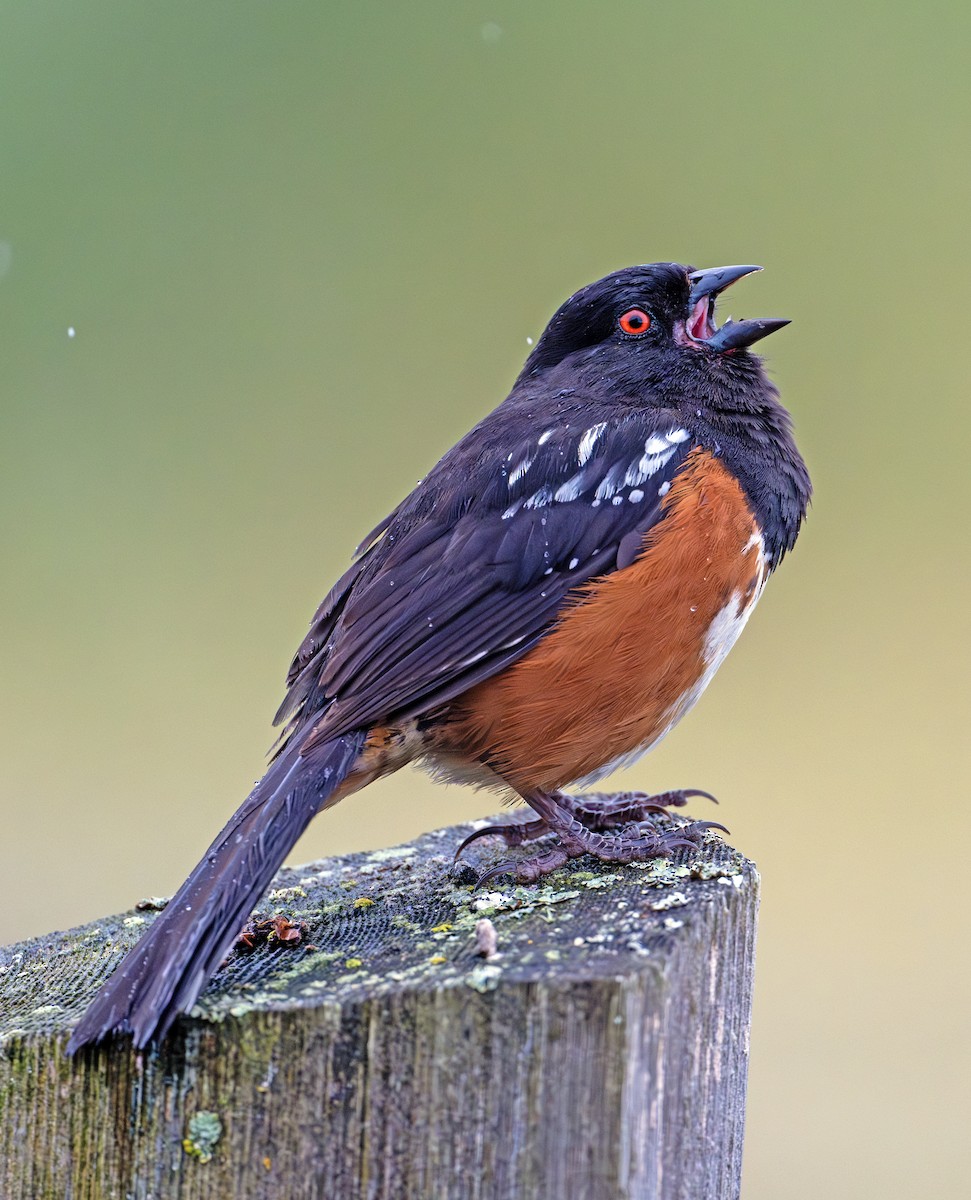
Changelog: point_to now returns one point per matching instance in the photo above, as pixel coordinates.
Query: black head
(657, 310)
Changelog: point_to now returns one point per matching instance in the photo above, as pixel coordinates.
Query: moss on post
(589, 1041)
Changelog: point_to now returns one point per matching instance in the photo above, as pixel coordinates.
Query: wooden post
(599, 1052)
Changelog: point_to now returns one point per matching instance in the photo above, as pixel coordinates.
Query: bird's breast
(632, 650)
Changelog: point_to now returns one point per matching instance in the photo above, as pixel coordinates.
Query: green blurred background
(301, 247)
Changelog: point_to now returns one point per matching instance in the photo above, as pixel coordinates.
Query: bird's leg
(597, 811)
(637, 840)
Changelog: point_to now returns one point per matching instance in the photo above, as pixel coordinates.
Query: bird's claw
(513, 834)
(589, 825)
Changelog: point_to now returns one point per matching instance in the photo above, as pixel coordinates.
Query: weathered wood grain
(601, 1054)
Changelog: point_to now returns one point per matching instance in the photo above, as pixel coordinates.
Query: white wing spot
(519, 471)
(574, 562)
(610, 482)
(569, 490)
(545, 436)
(511, 510)
(636, 496)
(588, 441)
(657, 451)
(617, 500)
(635, 476)
(664, 488)
(539, 499)
(650, 464)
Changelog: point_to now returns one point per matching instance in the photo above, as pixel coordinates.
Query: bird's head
(647, 314)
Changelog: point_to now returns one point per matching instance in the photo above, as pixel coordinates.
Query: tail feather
(164, 973)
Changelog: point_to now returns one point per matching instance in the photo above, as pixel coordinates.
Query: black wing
(471, 570)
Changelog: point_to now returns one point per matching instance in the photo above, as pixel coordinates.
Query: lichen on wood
(598, 1049)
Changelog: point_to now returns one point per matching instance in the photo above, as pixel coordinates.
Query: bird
(542, 608)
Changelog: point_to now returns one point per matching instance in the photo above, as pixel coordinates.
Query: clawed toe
(698, 828)
(615, 829)
(688, 837)
(513, 834)
(679, 798)
(526, 870)
(600, 813)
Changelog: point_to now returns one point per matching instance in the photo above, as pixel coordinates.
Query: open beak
(700, 323)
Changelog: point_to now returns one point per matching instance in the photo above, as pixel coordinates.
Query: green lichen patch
(286, 894)
(391, 855)
(484, 977)
(204, 1131)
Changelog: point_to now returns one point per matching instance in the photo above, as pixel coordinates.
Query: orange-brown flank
(620, 666)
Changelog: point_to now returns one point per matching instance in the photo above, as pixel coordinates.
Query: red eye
(635, 321)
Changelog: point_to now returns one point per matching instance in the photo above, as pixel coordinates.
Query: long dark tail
(164, 973)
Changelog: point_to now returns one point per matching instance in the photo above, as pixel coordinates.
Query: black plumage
(559, 486)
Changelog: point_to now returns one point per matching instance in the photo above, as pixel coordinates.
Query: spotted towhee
(546, 604)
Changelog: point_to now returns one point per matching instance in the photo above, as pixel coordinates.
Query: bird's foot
(612, 829)
(598, 812)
